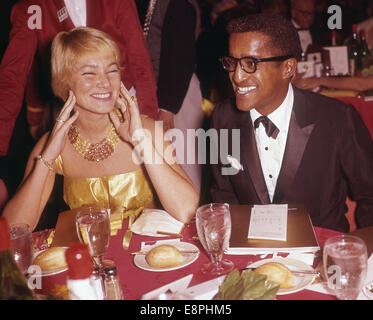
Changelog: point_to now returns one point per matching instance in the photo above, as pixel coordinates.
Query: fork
(128, 234)
(40, 242)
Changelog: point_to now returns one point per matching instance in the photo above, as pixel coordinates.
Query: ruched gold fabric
(131, 190)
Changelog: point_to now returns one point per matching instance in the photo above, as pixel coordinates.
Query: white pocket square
(234, 163)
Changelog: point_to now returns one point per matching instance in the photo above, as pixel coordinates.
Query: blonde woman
(92, 143)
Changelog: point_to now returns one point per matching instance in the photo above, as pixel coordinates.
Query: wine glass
(214, 230)
(22, 245)
(345, 265)
(93, 228)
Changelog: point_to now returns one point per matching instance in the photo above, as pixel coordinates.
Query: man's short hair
(280, 30)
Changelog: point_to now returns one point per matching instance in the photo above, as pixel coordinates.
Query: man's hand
(168, 119)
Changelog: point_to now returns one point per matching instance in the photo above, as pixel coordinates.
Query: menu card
(300, 236)
(268, 222)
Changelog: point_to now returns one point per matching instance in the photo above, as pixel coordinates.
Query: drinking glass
(22, 246)
(214, 230)
(93, 228)
(345, 265)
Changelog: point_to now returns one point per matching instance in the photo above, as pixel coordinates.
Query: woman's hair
(68, 47)
(284, 37)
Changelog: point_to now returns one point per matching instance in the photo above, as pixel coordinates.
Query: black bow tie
(270, 127)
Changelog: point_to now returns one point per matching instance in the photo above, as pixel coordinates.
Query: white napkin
(152, 220)
(175, 286)
(205, 290)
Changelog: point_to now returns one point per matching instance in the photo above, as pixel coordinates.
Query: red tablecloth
(365, 109)
(136, 282)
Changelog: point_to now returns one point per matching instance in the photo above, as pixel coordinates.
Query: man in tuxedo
(171, 28)
(302, 16)
(310, 24)
(296, 147)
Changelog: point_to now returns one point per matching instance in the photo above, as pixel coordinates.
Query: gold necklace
(94, 151)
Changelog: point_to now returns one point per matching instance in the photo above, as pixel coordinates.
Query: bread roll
(278, 273)
(51, 259)
(164, 256)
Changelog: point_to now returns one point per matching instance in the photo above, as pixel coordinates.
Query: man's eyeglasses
(248, 64)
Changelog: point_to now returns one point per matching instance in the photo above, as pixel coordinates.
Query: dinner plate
(51, 272)
(301, 281)
(188, 258)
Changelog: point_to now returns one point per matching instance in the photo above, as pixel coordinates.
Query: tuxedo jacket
(177, 41)
(328, 155)
(118, 18)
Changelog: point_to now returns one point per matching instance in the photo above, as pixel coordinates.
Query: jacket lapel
(251, 162)
(299, 133)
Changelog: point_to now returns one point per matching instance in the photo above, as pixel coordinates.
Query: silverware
(44, 239)
(181, 251)
(128, 234)
(311, 272)
(40, 241)
(177, 235)
(36, 240)
(195, 237)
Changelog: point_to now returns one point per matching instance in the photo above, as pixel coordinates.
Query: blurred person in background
(219, 6)
(213, 44)
(302, 16)
(274, 7)
(171, 28)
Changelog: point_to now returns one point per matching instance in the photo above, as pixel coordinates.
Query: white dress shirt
(77, 10)
(305, 37)
(271, 151)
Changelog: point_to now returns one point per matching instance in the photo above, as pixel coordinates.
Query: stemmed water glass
(93, 228)
(22, 246)
(214, 230)
(345, 265)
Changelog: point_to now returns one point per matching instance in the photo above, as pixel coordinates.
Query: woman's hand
(131, 116)
(58, 136)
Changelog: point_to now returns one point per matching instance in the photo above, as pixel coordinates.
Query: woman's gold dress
(130, 190)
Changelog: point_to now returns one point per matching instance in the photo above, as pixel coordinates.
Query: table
(136, 282)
